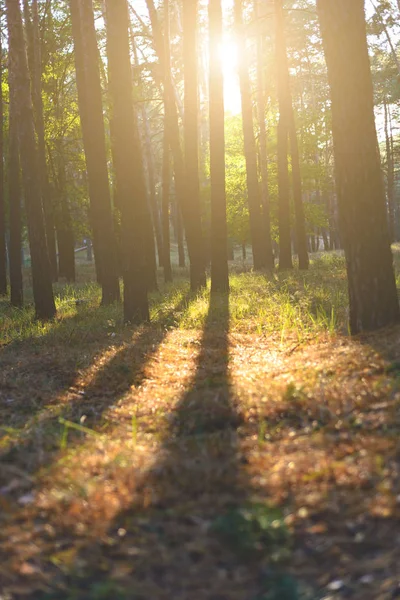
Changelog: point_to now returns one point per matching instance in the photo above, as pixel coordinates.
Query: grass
(235, 448)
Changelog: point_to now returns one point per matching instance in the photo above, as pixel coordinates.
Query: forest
(199, 299)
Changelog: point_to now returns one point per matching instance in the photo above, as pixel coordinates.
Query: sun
(229, 57)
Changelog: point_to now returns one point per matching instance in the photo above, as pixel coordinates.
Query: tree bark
(288, 123)
(219, 235)
(191, 143)
(361, 196)
(14, 201)
(41, 272)
(128, 165)
(261, 257)
(35, 68)
(3, 251)
(389, 175)
(92, 123)
(166, 185)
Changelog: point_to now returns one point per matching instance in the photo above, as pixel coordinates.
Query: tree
(35, 68)
(3, 252)
(363, 223)
(92, 122)
(261, 256)
(288, 128)
(14, 200)
(128, 164)
(41, 274)
(191, 141)
(219, 238)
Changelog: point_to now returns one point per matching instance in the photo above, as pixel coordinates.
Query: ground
(238, 448)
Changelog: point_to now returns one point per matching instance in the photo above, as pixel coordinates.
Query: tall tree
(288, 128)
(93, 132)
(3, 253)
(35, 68)
(191, 140)
(219, 237)
(190, 210)
(261, 257)
(41, 272)
(361, 196)
(262, 139)
(128, 164)
(14, 199)
(165, 216)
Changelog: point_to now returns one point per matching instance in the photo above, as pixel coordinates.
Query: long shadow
(36, 447)
(185, 536)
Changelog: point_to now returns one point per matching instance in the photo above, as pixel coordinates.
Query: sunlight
(229, 58)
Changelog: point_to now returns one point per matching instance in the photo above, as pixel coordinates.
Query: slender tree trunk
(92, 122)
(191, 140)
(190, 213)
(179, 236)
(261, 106)
(66, 245)
(361, 196)
(219, 236)
(165, 204)
(3, 251)
(389, 175)
(258, 234)
(14, 200)
(35, 67)
(288, 122)
(41, 272)
(285, 245)
(129, 174)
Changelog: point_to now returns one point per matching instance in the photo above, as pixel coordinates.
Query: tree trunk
(389, 175)
(35, 68)
(285, 245)
(191, 217)
(41, 272)
(361, 196)
(219, 236)
(261, 257)
(65, 234)
(191, 140)
(261, 105)
(14, 201)
(166, 185)
(288, 123)
(3, 251)
(92, 123)
(128, 165)
(179, 236)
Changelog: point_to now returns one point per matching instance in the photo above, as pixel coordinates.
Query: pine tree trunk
(191, 143)
(41, 271)
(288, 123)
(219, 235)
(65, 234)
(190, 212)
(128, 165)
(35, 68)
(258, 234)
(389, 176)
(3, 251)
(92, 123)
(166, 184)
(179, 237)
(261, 105)
(361, 196)
(285, 245)
(14, 201)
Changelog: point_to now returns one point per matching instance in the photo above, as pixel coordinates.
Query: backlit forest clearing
(199, 300)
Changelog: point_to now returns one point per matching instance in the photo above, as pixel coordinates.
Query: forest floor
(238, 448)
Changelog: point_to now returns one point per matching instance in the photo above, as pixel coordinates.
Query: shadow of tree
(185, 536)
(39, 439)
